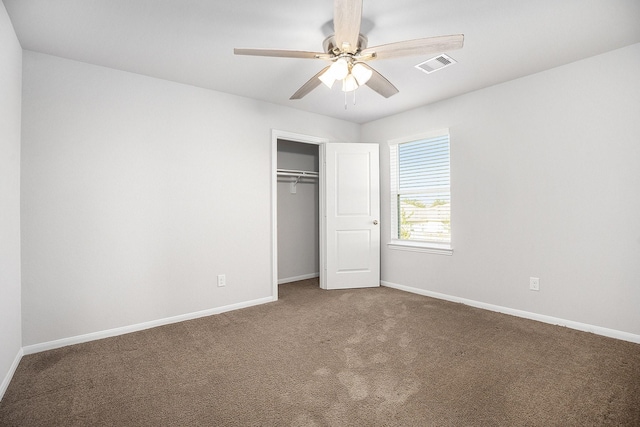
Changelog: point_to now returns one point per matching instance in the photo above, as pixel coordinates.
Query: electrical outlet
(534, 283)
(222, 280)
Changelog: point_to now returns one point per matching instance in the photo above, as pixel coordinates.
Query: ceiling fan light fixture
(339, 69)
(349, 83)
(327, 78)
(361, 73)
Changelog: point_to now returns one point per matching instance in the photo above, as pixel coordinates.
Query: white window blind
(420, 190)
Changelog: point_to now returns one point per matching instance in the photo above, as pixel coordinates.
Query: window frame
(442, 248)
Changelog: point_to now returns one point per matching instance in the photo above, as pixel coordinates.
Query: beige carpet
(373, 357)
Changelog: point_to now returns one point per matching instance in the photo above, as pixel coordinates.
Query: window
(420, 193)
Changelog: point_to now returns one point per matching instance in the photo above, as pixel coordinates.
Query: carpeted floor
(368, 357)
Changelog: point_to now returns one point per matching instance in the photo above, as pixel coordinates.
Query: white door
(351, 235)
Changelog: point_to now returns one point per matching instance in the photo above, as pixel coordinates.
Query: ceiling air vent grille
(435, 64)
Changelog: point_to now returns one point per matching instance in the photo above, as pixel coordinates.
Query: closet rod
(297, 173)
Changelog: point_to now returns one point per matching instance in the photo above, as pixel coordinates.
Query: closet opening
(298, 211)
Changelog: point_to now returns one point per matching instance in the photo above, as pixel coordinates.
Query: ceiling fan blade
(424, 46)
(280, 53)
(380, 84)
(347, 16)
(313, 83)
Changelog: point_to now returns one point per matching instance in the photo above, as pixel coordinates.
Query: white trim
(295, 137)
(598, 330)
(297, 278)
(12, 370)
(322, 192)
(274, 213)
(414, 246)
(50, 345)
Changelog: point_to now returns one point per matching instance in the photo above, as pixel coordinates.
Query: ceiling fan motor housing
(329, 45)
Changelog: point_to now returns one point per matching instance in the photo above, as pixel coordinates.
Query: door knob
(375, 222)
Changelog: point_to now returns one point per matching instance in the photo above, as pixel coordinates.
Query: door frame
(277, 134)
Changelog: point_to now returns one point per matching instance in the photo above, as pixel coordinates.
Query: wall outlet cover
(534, 283)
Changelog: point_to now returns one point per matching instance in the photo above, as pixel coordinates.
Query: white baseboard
(598, 330)
(296, 278)
(50, 345)
(9, 376)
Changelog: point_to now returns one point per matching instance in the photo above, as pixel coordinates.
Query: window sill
(431, 248)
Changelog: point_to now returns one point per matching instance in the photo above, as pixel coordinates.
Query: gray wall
(137, 192)
(298, 214)
(545, 183)
(10, 99)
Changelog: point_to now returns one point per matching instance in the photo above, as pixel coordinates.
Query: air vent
(435, 64)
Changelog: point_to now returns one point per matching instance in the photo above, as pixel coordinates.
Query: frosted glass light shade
(327, 78)
(340, 69)
(337, 71)
(362, 73)
(349, 83)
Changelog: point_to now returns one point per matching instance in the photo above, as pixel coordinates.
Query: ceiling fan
(348, 53)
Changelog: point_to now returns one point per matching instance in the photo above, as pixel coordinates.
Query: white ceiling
(192, 41)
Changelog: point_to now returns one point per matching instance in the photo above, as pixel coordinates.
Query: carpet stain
(396, 392)
(353, 358)
(389, 324)
(409, 357)
(322, 372)
(389, 312)
(345, 297)
(380, 358)
(405, 340)
(48, 360)
(304, 420)
(357, 337)
(356, 384)
(404, 313)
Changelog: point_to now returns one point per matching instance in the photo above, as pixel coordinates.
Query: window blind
(420, 187)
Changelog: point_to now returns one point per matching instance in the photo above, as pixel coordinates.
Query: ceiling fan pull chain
(345, 100)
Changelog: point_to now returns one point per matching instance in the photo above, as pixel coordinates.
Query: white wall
(545, 183)
(10, 99)
(298, 214)
(137, 192)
